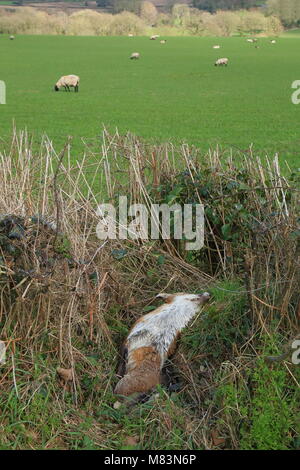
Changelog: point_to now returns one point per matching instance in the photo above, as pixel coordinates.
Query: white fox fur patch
(152, 338)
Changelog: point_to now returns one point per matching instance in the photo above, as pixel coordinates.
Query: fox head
(181, 297)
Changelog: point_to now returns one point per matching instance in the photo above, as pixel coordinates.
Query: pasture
(173, 93)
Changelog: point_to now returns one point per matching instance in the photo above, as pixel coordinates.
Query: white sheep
(67, 81)
(273, 41)
(216, 46)
(130, 35)
(154, 36)
(11, 37)
(135, 55)
(222, 61)
(163, 41)
(250, 40)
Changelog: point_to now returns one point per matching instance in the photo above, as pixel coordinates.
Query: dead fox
(152, 339)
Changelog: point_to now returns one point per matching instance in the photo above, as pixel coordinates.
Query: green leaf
(295, 234)
(161, 259)
(149, 308)
(119, 254)
(226, 231)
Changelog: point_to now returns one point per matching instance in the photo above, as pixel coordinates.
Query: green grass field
(172, 93)
(291, 33)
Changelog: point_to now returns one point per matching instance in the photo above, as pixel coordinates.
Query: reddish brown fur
(169, 299)
(143, 365)
(143, 370)
(173, 346)
(144, 374)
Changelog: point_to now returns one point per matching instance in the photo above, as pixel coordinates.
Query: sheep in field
(222, 61)
(216, 46)
(273, 41)
(11, 37)
(67, 81)
(163, 41)
(135, 55)
(250, 40)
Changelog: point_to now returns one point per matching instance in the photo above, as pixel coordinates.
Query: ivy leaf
(94, 277)
(161, 259)
(226, 231)
(119, 254)
(174, 194)
(296, 234)
(149, 308)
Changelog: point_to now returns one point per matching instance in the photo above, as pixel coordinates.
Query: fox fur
(152, 339)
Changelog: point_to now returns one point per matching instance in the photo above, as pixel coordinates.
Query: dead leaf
(167, 420)
(131, 302)
(65, 374)
(131, 440)
(217, 440)
(31, 434)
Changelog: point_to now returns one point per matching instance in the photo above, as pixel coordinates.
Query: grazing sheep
(154, 36)
(130, 35)
(273, 41)
(11, 37)
(163, 41)
(135, 55)
(250, 40)
(216, 47)
(67, 81)
(222, 61)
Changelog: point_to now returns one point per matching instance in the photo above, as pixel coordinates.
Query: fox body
(153, 338)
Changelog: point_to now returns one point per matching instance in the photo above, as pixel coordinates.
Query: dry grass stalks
(252, 214)
(58, 281)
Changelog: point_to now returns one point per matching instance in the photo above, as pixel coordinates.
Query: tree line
(214, 5)
(288, 11)
(205, 5)
(181, 20)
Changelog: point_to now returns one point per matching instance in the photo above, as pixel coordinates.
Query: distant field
(291, 33)
(172, 93)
